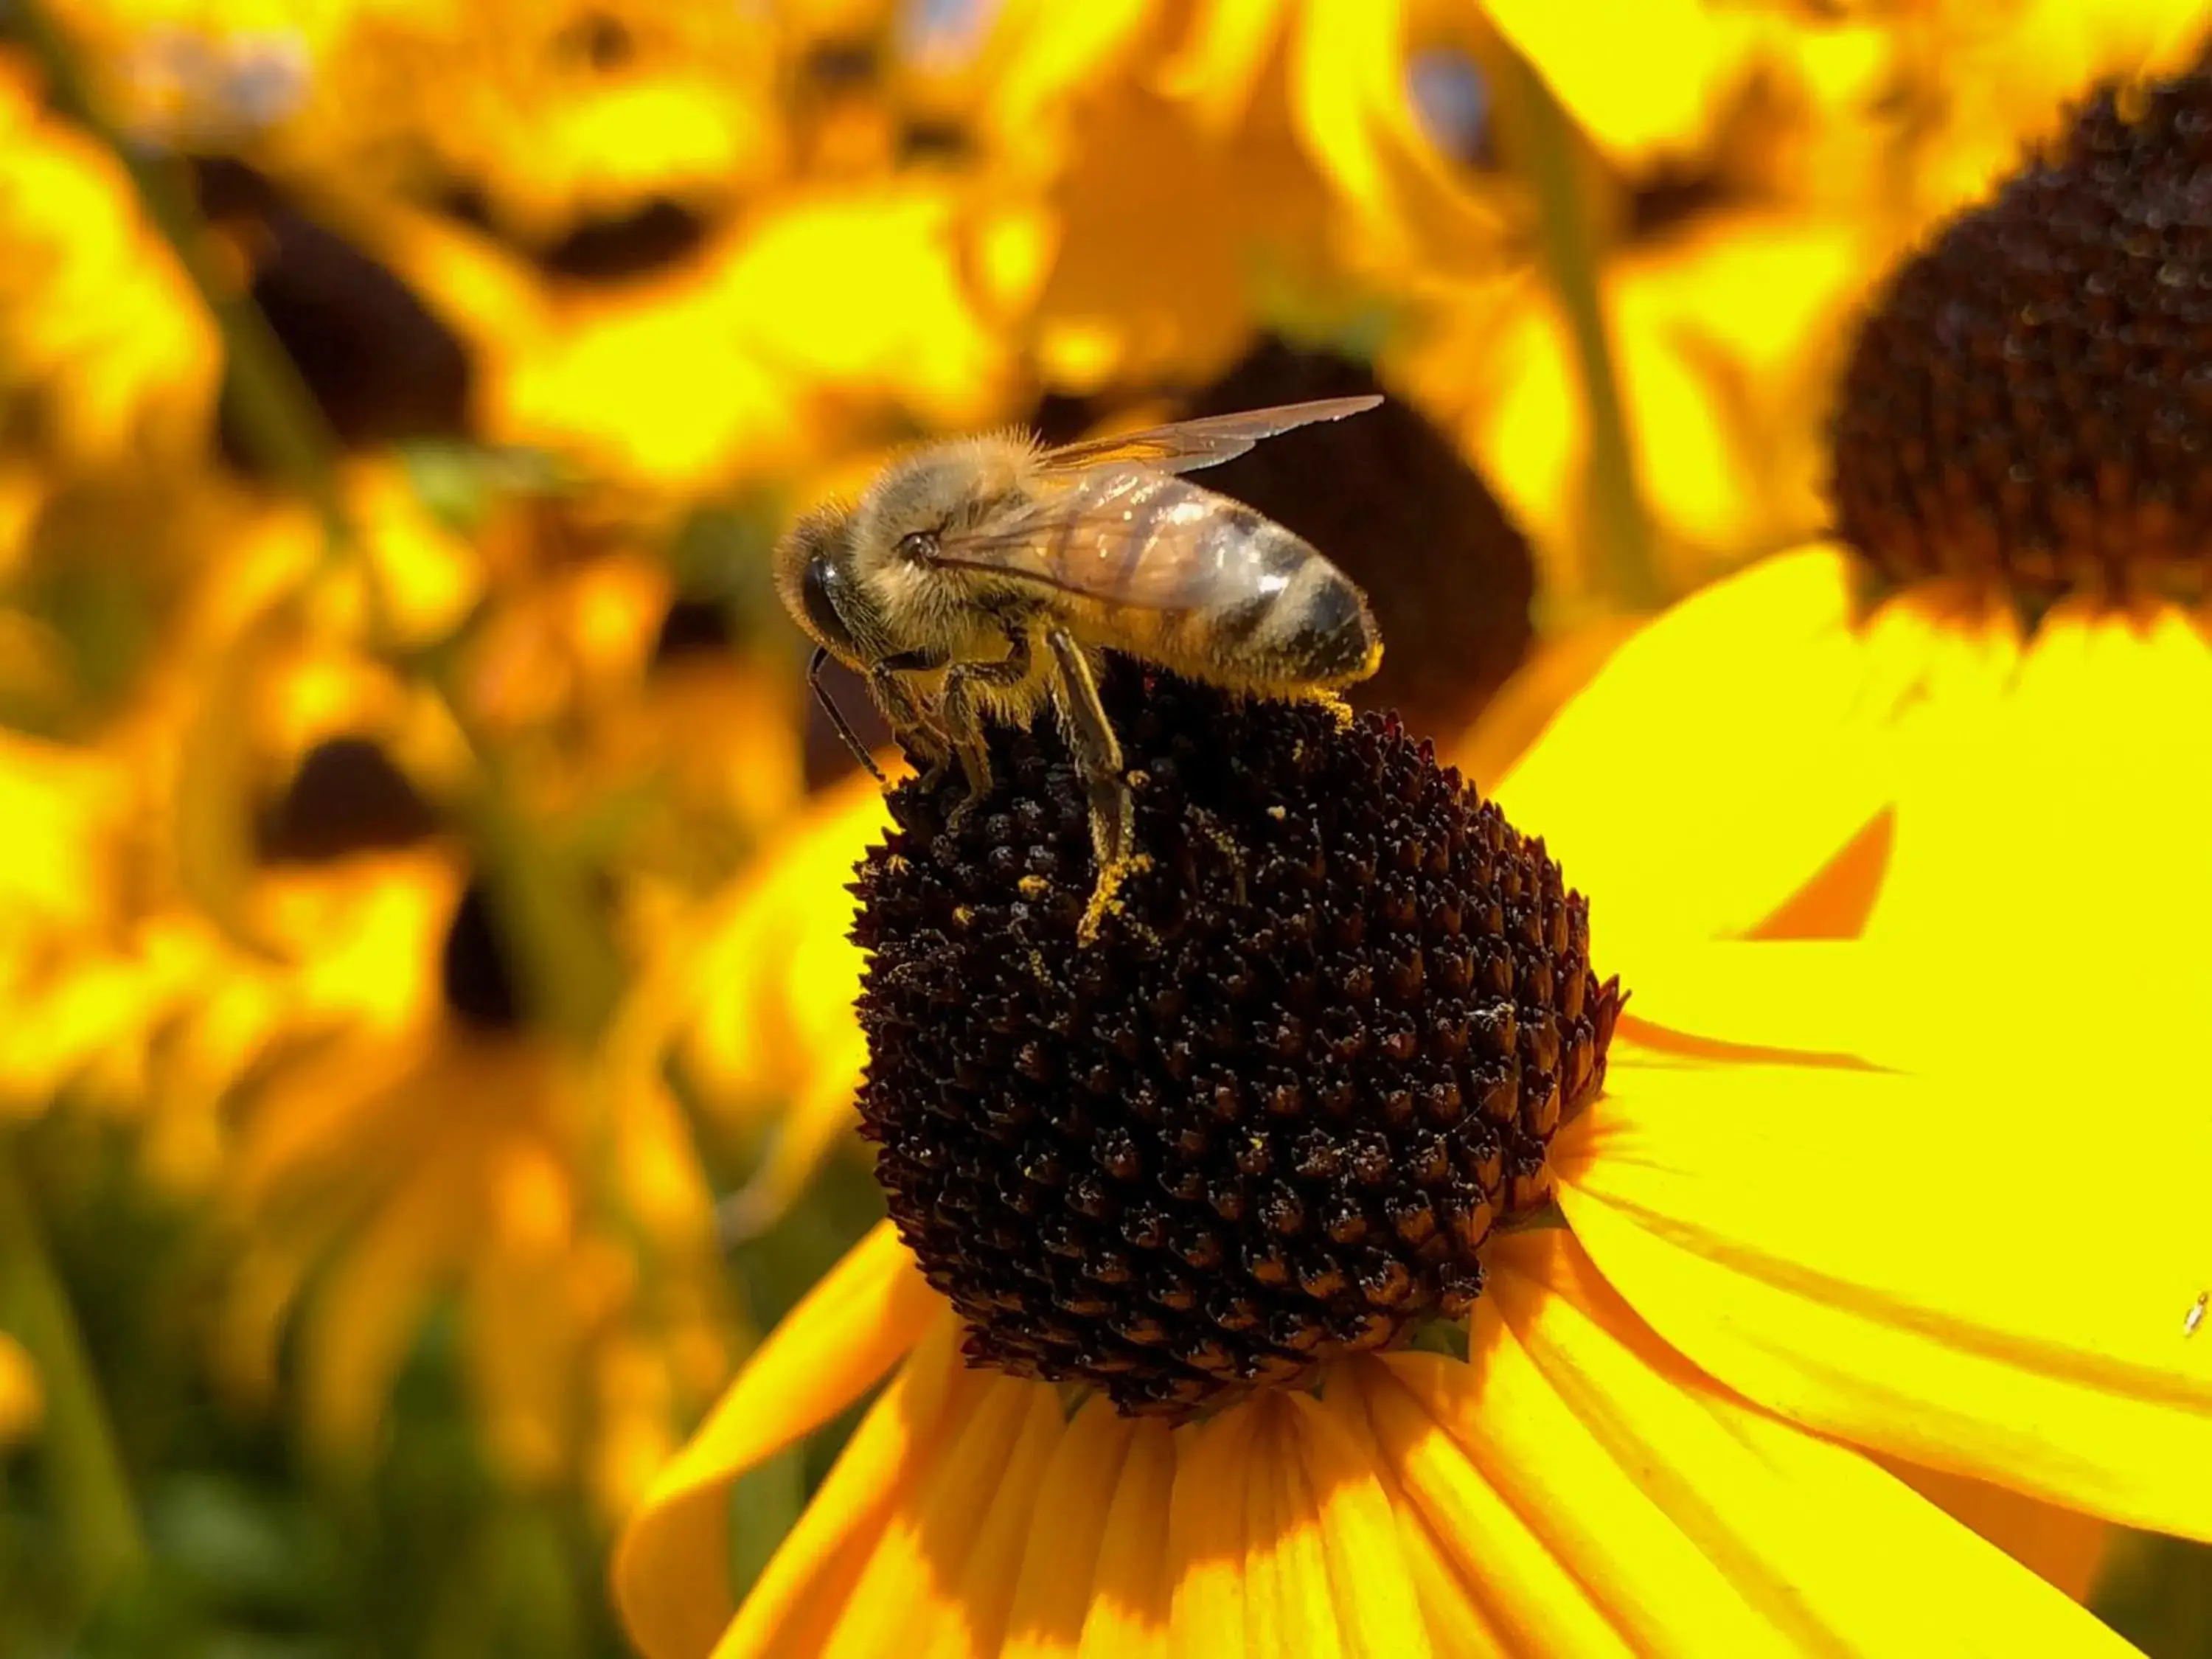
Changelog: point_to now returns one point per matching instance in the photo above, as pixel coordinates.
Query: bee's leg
(956, 712)
(1098, 760)
(917, 732)
(846, 734)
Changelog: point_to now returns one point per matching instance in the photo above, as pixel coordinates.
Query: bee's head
(814, 579)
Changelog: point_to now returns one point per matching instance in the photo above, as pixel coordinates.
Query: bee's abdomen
(1328, 636)
(1314, 629)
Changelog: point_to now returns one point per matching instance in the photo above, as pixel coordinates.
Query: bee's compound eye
(918, 544)
(817, 590)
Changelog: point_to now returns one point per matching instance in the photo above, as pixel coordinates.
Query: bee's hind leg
(1098, 762)
(956, 712)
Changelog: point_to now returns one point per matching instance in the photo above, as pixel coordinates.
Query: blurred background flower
(429, 1063)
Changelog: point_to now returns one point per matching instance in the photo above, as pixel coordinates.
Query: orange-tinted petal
(671, 1566)
(1282, 1541)
(940, 1580)
(2064, 1547)
(1332, 1488)
(1206, 1532)
(23, 1402)
(1943, 1270)
(1716, 763)
(795, 1602)
(1129, 1611)
(1053, 1599)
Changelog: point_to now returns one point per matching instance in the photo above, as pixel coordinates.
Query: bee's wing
(1127, 536)
(1188, 444)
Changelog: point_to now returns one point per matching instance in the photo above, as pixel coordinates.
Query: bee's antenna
(852, 739)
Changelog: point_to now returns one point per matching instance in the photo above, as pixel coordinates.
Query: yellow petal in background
(1638, 76)
(851, 1329)
(1942, 1270)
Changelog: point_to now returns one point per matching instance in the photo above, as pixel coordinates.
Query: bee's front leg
(955, 711)
(921, 735)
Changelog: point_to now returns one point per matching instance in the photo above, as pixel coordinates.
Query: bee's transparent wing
(1130, 536)
(1187, 446)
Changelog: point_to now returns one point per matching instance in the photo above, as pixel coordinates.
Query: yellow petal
(1458, 1617)
(1333, 1495)
(2020, 754)
(1719, 760)
(1058, 1574)
(1640, 75)
(2064, 1547)
(1128, 1617)
(1573, 1550)
(1810, 1539)
(850, 1329)
(1806, 1001)
(1206, 1538)
(796, 1599)
(1941, 1271)
(941, 1579)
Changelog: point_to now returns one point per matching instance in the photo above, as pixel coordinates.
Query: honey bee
(981, 579)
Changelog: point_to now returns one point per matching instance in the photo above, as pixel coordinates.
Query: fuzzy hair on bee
(980, 580)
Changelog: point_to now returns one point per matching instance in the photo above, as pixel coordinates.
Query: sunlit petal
(1881, 1258)
(852, 1327)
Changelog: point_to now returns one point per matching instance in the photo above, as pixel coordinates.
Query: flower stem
(1544, 141)
(100, 1521)
(278, 417)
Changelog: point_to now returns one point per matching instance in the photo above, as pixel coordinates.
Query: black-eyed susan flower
(1221, 1310)
(2009, 629)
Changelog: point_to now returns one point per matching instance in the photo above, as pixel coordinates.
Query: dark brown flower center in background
(2032, 399)
(1272, 1113)
(347, 797)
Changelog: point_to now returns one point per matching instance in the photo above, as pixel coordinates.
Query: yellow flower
(2010, 646)
(1170, 1197)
